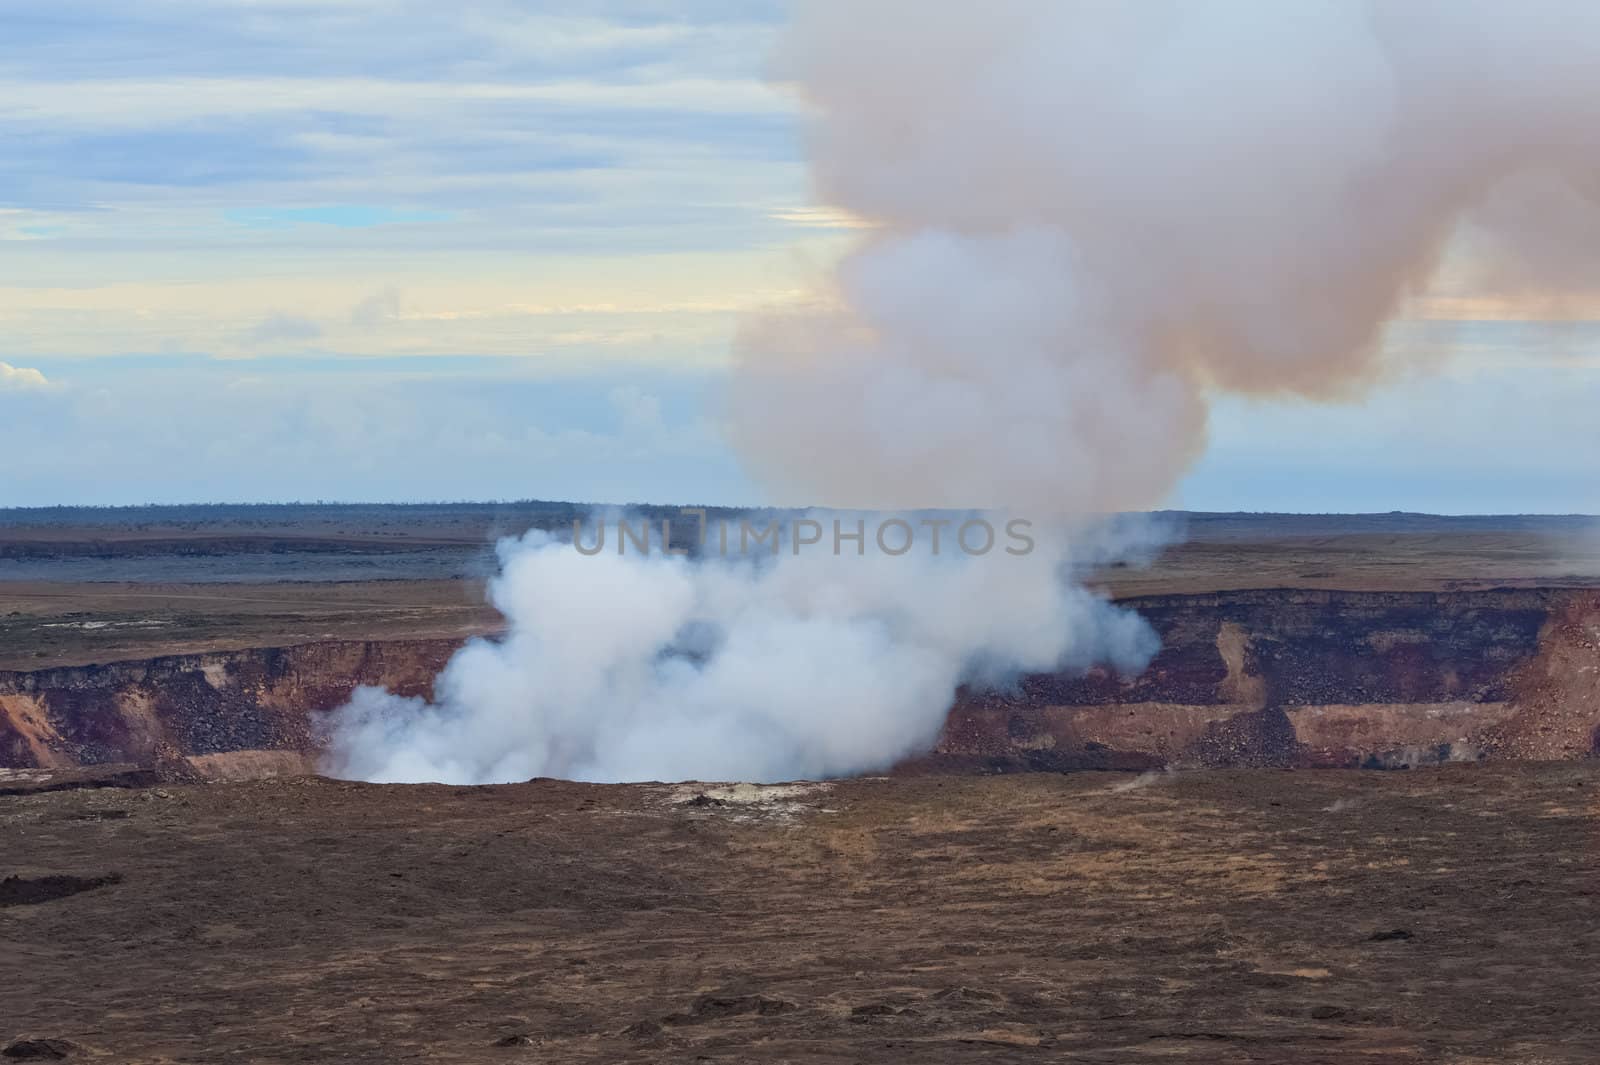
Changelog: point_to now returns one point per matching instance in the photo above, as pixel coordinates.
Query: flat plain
(82, 586)
(1257, 916)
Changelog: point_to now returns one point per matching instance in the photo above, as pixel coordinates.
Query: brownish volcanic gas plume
(1088, 215)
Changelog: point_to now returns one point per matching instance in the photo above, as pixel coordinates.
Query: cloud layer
(316, 187)
(177, 172)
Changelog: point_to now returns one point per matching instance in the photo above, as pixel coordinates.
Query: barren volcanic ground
(1216, 914)
(1443, 915)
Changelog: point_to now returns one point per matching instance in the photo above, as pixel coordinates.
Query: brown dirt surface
(49, 624)
(1218, 916)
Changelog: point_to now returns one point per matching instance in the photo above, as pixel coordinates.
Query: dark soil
(31, 891)
(1221, 916)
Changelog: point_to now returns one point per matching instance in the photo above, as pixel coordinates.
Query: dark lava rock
(30, 891)
(516, 1039)
(967, 996)
(1390, 936)
(643, 1030)
(39, 1049)
(704, 800)
(92, 776)
(1261, 739)
(1325, 1013)
(862, 1014)
(713, 1007)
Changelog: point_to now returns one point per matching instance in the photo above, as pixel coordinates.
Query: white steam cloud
(626, 667)
(1084, 217)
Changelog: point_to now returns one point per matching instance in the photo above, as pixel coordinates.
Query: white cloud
(380, 308)
(21, 378)
(279, 328)
(623, 308)
(821, 218)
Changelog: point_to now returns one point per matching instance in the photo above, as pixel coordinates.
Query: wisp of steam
(1081, 219)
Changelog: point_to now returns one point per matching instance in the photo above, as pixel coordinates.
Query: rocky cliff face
(230, 713)
(1315, 678)
(1257, 678)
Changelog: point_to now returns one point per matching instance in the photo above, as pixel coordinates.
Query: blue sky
(383, 249)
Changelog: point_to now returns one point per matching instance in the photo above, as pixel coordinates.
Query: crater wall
(1247, 678)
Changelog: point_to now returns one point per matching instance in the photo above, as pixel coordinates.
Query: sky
(263, 250)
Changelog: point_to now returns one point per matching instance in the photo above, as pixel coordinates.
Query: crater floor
(1268, 916)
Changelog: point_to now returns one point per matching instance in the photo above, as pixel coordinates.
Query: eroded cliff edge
(226, 713)
(1318, 678)
(1246, 678)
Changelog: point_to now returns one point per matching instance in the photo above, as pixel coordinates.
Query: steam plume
(654, 668)
(1092, 213)
(1086, 217)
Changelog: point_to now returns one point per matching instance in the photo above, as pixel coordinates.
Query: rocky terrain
(1318, 679)
(219, 714)
(1444, 915)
